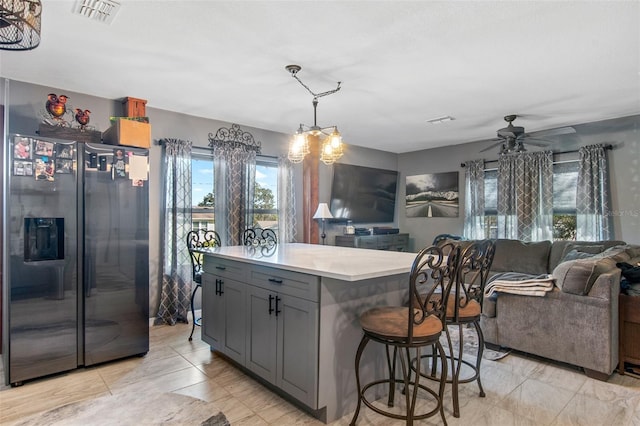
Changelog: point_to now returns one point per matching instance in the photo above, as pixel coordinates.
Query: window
(265, 197)
(491, 203)
(265, 192)
(565, 181)
(202, 191)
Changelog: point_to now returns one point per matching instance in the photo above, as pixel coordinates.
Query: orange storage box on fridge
(129, 133)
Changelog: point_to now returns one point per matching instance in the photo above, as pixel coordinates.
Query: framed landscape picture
(432, 195)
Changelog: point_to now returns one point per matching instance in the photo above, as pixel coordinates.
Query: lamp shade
(323, 212)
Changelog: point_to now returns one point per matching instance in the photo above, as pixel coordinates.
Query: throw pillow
(575, 254)
(578, 276)
(519, 256)
(633, 251)
(581, 248)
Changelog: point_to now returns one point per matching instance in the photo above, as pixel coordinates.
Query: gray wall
(26, 108)
(26, 104)
(622, 133)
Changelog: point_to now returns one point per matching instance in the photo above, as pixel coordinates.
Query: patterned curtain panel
(234, 163)
(286, 202)
(176, 264)
(592, 200)
(474, 200)
(525, 196)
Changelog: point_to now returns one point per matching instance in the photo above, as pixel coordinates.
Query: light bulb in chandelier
(298, 147)
(335, 140)
(330, 154)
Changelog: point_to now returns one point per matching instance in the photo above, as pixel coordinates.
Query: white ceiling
(400, 63)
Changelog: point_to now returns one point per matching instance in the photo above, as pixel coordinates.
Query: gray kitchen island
(288, 315)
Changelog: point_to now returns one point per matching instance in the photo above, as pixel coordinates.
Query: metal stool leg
(193, 312)
(363, 343)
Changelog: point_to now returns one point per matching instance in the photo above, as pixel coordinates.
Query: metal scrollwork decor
(234, 138)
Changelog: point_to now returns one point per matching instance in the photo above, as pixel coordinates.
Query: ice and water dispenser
(43, 239)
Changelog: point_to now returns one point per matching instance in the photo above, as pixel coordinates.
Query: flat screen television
(363, 194)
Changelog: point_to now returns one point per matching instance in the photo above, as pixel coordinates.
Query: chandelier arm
(317, 95)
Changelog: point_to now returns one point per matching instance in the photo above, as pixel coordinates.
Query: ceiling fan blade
(554, 132)
(530, 142)
(498, 143)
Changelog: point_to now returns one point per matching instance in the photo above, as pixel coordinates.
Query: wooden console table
(629, 331)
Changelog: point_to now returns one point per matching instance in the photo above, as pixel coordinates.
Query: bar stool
(464, 307)
(259, 237)
(197, 240)
(401, 328)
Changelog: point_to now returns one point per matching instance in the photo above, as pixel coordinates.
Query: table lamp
(323, 213)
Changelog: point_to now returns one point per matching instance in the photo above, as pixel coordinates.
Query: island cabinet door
(235, 331)
(261, 332)
(212, 312)
(223, 319)
(298, 348)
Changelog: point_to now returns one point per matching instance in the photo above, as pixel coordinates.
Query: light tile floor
(520, 390)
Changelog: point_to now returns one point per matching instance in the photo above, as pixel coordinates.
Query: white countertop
(343, 263)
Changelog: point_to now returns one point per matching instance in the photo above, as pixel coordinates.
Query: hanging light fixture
(20, 24)
(331, 149)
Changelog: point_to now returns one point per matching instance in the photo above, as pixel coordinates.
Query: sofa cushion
(578, 276)
(518, 256)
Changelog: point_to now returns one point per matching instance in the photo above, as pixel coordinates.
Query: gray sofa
(576, 322)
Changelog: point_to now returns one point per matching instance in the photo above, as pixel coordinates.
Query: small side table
(629, 331)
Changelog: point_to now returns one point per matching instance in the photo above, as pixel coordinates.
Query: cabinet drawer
(286, 282)
(345, 241)
(367, 243)
(225, 268)
(401, 240)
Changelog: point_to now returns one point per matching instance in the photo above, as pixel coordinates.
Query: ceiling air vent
(98, 10)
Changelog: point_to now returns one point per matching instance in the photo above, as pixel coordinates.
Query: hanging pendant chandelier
(331, 149)
(20, 22)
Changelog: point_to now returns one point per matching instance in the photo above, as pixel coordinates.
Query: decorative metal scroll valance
(234, 138)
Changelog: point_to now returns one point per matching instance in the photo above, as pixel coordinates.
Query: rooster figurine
(56, 106)
(82, 117)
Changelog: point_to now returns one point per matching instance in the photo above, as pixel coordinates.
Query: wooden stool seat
(391, 322)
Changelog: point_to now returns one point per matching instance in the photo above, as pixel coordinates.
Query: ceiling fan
(511, 139)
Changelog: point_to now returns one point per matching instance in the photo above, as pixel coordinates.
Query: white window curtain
(176, 265)
(474, 200)
(525, 196)
(286, 202)
(592, 199)
(234, 163)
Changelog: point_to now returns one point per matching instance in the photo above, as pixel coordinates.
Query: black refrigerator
(76, 255)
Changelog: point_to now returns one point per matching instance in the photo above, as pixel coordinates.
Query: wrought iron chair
(443, 237)
(404, 329)
(259, 237)
(464, 307)
(199, 239)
